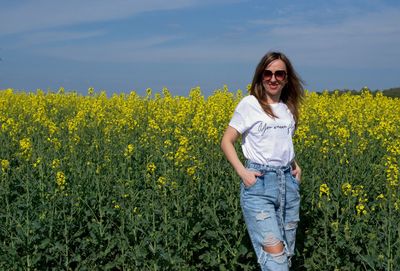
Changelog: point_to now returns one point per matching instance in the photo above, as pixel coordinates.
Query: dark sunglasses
(279, 75)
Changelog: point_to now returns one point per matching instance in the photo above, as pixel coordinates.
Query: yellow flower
(115, 204)
(380, 197)
(361, 209)
(90, 91)
(25, 146)
(392, 171)
(346, 188)
(397, 205)
(60, 179)
(357, 191)
(191, 170)
(151, 168)
(55, 163)
(167, 143)
(129, 150)
(148, 92)
(38, 161)
(5, 164)
(161, 181)
(323, 190)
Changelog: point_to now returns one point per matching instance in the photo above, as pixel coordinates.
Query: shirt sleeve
(239, 120)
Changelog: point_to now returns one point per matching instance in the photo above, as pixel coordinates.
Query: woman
(266, 120)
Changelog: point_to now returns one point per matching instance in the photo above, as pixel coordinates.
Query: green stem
(389, 233)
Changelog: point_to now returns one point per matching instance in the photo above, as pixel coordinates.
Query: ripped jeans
(271, 211)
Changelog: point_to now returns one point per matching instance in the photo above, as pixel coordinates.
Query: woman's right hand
(249, 177)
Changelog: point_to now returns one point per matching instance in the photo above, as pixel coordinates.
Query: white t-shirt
(265, 140)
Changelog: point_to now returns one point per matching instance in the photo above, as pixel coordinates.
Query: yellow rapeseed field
(130, 181)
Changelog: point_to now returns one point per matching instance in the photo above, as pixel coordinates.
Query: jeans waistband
(266, 168)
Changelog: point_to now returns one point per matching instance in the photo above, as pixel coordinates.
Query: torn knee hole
(273, 245)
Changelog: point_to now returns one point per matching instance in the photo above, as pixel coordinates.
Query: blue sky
(122, 45)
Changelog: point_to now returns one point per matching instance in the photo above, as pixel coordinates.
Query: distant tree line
(390, 92)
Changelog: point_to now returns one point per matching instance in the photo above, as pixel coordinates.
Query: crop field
(130, 182)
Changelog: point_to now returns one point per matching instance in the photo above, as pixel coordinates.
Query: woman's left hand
(296, 171)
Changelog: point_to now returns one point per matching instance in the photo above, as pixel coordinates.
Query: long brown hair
(292, 93)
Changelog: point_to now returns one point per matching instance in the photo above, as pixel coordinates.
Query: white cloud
(273, 22)
(372, 39)
(151, 50)
(58, 36)
(47, 14)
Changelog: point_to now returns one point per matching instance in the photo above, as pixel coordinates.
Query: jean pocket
(294, 180)
(254, 183)
(251, 185)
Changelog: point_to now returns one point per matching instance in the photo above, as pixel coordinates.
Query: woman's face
(274, 79)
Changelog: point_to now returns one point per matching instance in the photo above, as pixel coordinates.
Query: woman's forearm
(230, 152)
(227, 145)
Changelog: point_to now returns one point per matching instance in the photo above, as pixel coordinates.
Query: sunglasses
(280, 75)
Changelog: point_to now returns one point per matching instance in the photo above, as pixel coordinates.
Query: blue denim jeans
(271, 211)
